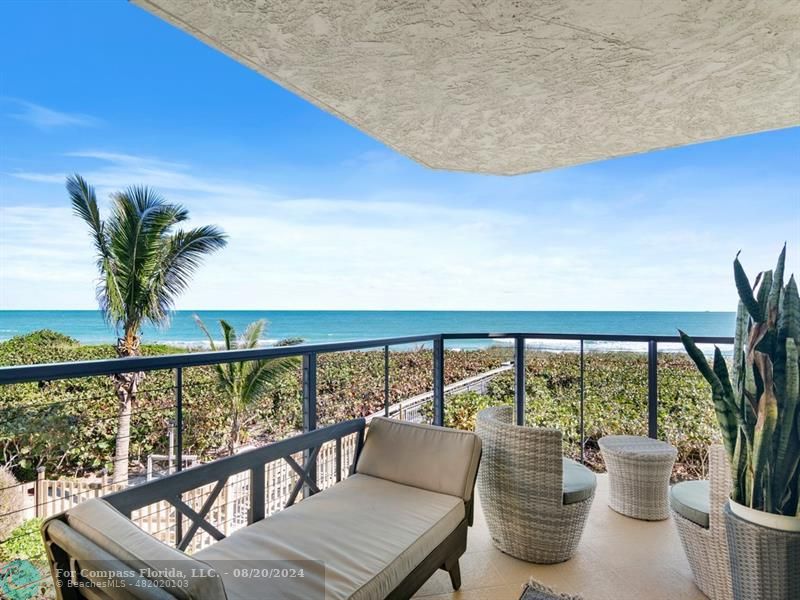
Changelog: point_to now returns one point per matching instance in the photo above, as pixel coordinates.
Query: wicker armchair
(706, 543)
(535, 502)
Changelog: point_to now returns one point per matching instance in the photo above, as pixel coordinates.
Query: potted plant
(757, 407)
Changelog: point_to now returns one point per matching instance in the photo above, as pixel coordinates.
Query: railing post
(438, 381)
(386, 381)
(178, 419)
(652, 389)
(519, 379)
(39, 494)
(583, 399)
(178, 444)
(309, 408)
(257, 494)
(309, 392)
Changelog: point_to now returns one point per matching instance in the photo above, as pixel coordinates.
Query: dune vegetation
(69, 426)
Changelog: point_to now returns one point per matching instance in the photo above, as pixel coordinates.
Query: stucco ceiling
(518, 86)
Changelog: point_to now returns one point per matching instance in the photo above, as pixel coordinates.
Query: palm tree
(245, 383)
(144, 263)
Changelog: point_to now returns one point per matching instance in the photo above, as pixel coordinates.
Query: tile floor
(618, 559)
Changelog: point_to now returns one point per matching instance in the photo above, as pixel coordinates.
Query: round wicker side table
(638, 471)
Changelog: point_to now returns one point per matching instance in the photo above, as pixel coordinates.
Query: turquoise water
(329, 326)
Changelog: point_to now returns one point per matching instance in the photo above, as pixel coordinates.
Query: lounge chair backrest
(423, 456)
(101, 539)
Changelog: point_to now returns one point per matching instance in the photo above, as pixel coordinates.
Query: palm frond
(183, 254)
(226, 374)
(84, 205)
(252, 335)
(143, 265)
(139, 226)
(261, 374)
(228, 334)
(204, 329)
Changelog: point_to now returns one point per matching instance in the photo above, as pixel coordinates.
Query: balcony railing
(309, 353)
(163, 521)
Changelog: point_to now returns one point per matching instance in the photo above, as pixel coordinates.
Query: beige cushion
(102, 524)
(431, 458)
(370, 533)
(98, 568)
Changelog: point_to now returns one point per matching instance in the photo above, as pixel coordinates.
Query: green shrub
(461, 409)
(10, 496)
(25, 542)
(615, 402)
(68, 426)
(76, 434)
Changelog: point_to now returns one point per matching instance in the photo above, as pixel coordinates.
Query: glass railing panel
(553, 389)
(616, 388)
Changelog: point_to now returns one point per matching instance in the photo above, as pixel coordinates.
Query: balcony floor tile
(619, 559)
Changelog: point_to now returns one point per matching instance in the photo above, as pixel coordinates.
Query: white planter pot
(765, 519)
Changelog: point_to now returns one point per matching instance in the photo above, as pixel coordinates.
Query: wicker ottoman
(638, 471)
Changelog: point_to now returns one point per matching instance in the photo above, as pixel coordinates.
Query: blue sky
(322, 216)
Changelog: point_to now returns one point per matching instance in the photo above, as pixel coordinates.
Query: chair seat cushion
(690, 499)
(370, 533)
(578, 482)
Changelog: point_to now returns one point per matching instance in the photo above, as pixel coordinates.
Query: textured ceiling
(517, 86)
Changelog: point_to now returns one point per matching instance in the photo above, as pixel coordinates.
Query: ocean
(88, 326)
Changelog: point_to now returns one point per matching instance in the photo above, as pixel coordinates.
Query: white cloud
(44, 261)
(39, 177)
(45, 118)
(290, 252)
(130, 160)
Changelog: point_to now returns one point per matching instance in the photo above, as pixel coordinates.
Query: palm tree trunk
(233, 441)
(125, 386)
(125, 394)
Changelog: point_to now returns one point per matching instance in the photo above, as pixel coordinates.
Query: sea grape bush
(69, 426)
(24, 542)
(615, 403)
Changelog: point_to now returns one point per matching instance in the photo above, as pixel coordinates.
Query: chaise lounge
(401, 515)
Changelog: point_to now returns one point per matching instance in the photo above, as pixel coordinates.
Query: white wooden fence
(412, 409)
(229, 511)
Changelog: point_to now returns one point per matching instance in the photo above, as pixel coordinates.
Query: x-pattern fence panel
(196, 512)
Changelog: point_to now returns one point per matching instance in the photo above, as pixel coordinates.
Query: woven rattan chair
(705, 542)
(535, 502)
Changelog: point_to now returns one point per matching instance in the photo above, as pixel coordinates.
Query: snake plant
(757, 402)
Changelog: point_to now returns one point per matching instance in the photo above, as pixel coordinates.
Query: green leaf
(252, 335)
(763, 435)
(741, 475)
(725, 408)
(776, 290)
(788, 446)
(762, 288)
(720, 369)
(789, 319)
(745, 291)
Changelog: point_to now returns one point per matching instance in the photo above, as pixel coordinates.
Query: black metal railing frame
(310, 352)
